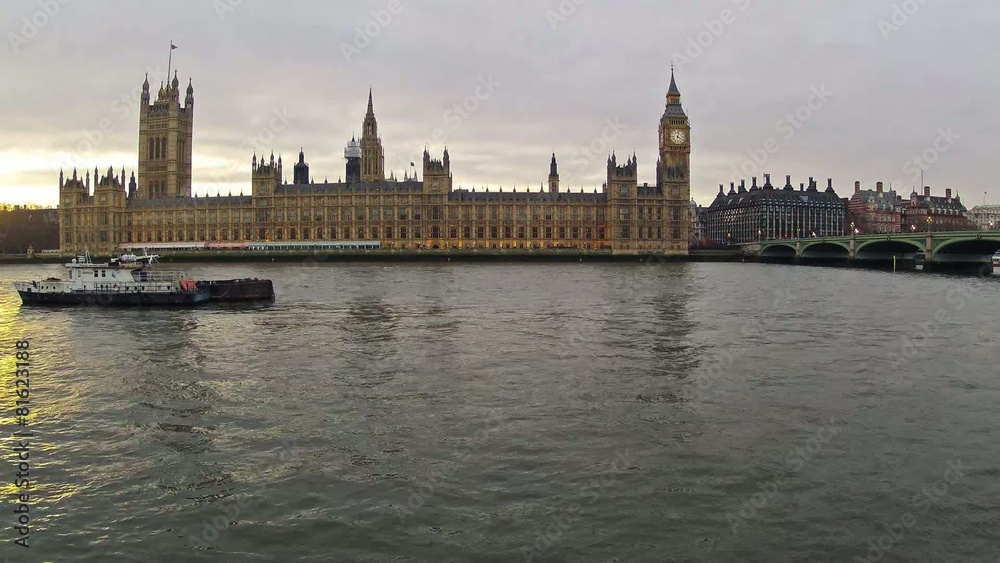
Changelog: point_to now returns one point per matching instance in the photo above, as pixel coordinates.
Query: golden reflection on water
(17, 325)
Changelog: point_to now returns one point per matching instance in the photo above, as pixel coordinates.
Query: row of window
(434, 213)
(364, 224)
(347, 233)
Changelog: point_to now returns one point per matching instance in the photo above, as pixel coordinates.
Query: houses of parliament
(408, 214)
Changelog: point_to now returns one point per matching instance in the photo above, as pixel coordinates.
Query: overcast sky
(887, 81)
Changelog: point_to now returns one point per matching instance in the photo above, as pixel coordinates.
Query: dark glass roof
(762, 196)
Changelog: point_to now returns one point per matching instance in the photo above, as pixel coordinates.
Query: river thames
(513, 412)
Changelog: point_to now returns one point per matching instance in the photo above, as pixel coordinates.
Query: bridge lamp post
(929, 221)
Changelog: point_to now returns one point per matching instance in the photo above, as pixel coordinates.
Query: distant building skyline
(832, 96)
(367, 208)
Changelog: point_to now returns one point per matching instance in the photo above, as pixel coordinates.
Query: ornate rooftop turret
(144, 98)
(300, 174)
(553, 175)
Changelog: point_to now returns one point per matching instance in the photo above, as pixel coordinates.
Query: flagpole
(170, 58)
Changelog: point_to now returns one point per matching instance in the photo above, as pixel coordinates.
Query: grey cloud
(606, 60)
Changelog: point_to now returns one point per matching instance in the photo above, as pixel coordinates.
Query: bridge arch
(972, 244)
(778, 250)
(899, 245)
(826, 249)
(888, 248)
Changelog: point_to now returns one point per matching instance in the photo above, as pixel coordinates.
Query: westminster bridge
(941, 250)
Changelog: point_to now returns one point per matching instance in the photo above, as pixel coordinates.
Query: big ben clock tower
(675, 169)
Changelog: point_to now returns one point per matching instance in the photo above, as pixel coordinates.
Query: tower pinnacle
(674, 90)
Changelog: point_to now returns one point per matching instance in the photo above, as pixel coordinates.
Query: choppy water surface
(614, 412)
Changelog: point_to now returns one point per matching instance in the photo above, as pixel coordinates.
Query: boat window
(103, 273)
(95, 273)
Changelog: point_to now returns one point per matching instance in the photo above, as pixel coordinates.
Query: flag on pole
(170, 57)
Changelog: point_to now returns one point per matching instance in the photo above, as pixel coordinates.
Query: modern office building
(765, 213)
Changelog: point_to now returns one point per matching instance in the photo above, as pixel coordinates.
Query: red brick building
(879, 211)
(875, 211)
(945, 213)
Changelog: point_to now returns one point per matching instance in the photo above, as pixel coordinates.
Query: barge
(238, 290)
(130, 280)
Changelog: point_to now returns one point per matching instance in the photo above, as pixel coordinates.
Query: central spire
(370, 126)
(372, 159)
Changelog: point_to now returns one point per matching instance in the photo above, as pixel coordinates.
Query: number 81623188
(22, 382)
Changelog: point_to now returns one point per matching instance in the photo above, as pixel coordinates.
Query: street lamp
(929, 221)
(913, 228)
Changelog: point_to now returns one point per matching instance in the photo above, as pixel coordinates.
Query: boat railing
(157, 276)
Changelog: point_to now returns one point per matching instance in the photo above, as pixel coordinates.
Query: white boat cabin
(127, 269)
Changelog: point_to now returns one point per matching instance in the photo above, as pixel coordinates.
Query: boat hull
(114, 299)
(238, 290)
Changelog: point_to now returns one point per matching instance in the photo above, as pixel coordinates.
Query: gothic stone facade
(401, 214)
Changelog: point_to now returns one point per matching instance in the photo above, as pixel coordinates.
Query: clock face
(677, 137)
